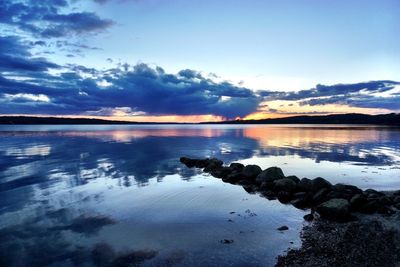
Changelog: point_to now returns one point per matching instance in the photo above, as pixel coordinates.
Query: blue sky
(243, 58)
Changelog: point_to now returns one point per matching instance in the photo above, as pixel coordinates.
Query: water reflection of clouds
(134, 155)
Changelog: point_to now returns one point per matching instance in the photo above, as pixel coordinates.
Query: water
(114, 195)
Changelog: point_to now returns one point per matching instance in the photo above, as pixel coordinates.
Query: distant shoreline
(391, 119)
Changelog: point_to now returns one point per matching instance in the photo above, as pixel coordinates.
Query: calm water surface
(117, 195)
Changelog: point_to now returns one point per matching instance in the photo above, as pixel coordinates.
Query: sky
(191, 61)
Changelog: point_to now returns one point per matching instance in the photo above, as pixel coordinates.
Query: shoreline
(348, 226)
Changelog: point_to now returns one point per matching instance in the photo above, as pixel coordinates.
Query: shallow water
(108, 195)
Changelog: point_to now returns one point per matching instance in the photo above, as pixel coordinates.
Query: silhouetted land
(351, 118)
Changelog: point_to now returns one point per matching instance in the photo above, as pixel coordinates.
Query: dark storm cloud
(372, 94)
(15, 56)
(339, 89)
(47, 19)
(139, 88)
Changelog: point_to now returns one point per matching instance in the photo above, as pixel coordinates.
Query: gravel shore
(370, 240)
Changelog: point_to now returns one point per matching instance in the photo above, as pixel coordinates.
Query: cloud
(372, 94)
(15, 56)
(49, 19)
(126, 90)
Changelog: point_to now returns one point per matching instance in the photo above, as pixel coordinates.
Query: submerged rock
(283, 228)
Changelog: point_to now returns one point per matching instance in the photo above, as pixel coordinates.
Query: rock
(226, 241)
(320, 196)
(284, 184)
(348, 189)
(304, 185)
(236, 166)
(251, 171)
(384, 200)
(190, 163)
(335, 209)
(308, 217)
(357, 201)
(283, 228)
(213, 164)
(270, 175)
(233, 178)
(251, 188)
(266, 186)
(396, 199)
(301, 202)
(293, 178)
(319, 183)
(284, 197)
(269, 195)
(373, 193)
(221, 172)
(371, 206)
(244, 182)
(202, 163)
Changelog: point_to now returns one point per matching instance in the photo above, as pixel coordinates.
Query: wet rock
(396, 199)
(301, 202)
(251, 188)
(373, 193)
(308, 217)
(236, 166)
(319, 183)
(283, 228)
(293, 178)
(335, 209)
(284, 197)
(357, 201)
(251, 171)
(384, 200)
(202, 163)
(190, 163)
(266, 186)
(371, 206)
(270, 175)
(213, 164)
(226, 241)
(221, 172)
(284, 184)
(234, 178)
(305, 185)
(268, 194)
(348, 189)
(320, 196)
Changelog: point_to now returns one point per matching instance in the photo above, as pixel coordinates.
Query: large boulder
(270, 175)
(335, 209)
(285, 184)
(319, 183)
(251, 171)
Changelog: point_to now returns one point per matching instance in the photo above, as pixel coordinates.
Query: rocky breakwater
(337, 202)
